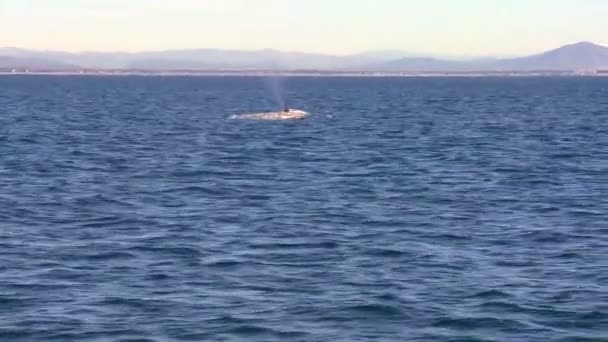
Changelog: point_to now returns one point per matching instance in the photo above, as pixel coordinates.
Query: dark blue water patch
(489, 294)
(474, 323)
(439, 209)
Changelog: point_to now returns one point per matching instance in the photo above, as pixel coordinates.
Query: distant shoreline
(230, 73)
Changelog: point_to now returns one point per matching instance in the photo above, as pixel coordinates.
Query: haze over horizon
(435, 27)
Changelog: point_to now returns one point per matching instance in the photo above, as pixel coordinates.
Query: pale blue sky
(458, 27)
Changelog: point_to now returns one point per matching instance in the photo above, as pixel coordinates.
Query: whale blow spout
(287, 114)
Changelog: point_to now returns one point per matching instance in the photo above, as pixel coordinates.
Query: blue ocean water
(403, 209)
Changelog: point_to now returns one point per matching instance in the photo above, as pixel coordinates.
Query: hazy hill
(193, 59)
(31, 62)
(579, 56)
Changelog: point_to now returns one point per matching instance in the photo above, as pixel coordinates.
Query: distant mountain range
(579, 56)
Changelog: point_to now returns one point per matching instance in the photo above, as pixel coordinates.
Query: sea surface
(402, 209)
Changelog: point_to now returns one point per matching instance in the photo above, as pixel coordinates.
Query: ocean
(403, 209)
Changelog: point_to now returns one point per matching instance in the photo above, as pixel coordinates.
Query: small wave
(111, 255)
(292, 245)
(516, 263)
(448, 236)
(96, 200)
(195, 189)
(388, 253)
(599, 338)
(223, 263)
(587, 213)
(478, 323)
(157, 276)
(376, 310)
(250, 330)
(62, 273)
(136, 339)
(546, 236)
(12, 334)
(388, 297)
(6, 301)
(490, 294)
(566, 255)
(178, 251)
(501, 306)
(97, 335)
(103, 221)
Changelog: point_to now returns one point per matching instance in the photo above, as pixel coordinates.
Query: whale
(287, 114)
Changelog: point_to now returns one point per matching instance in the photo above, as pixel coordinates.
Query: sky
(442, 27)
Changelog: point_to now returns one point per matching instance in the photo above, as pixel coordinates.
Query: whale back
(291, 114)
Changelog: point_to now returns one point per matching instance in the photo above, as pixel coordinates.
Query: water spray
(275, 84)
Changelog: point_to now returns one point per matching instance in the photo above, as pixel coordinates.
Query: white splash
(287, 114)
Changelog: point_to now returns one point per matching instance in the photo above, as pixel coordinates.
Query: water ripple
(402, 209)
